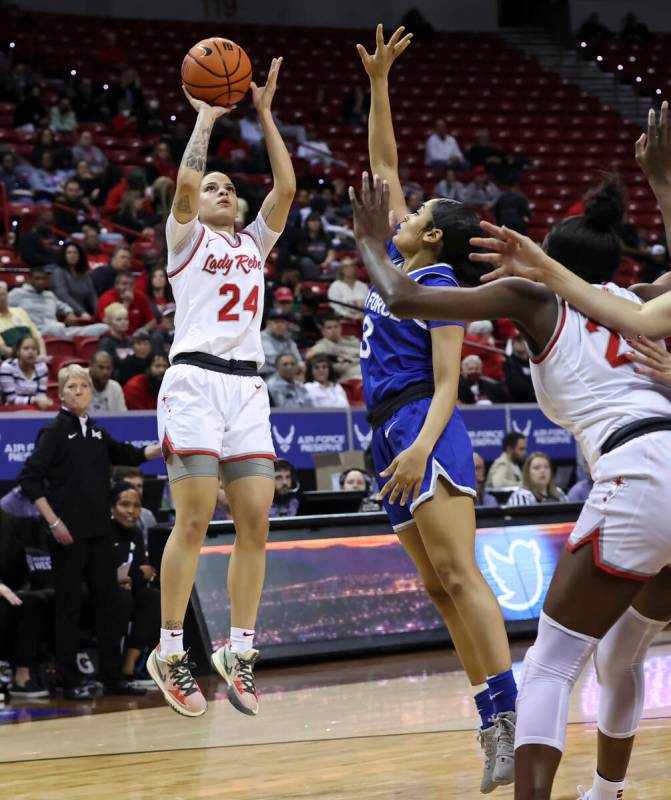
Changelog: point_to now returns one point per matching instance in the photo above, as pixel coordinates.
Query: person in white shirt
(347, 289)
(321, 384)
(107, 393)
(442, 150)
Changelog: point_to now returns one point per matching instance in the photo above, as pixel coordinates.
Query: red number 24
(612, 355)
(226, 314)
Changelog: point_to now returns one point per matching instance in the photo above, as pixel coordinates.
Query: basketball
(217, 71)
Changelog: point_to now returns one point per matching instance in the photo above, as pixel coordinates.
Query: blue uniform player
(397, 366)
(420, 445)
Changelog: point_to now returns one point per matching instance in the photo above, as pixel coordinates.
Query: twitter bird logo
(518, 575)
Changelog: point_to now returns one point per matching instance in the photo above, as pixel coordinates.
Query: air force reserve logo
(518, 575)
(525, 431)
(363, 438)
(284, 442)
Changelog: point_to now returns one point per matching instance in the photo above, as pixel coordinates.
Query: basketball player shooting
(213, 409)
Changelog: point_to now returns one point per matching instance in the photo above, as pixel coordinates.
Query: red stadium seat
(60, 347)
(354, 391)
(86, 346)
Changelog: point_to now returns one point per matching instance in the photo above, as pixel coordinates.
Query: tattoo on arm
(195, 155)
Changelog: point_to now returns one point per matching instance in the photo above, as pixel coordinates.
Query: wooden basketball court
(400, 727)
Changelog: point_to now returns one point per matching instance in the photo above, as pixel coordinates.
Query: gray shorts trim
(230, 471)
(196, 465)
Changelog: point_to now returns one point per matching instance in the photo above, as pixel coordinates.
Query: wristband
(54, 523)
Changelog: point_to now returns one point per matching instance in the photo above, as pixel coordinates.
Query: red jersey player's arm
(381, 140)
(192, 168)
(276, 206)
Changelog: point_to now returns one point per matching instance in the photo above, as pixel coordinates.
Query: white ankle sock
(606, 790)
(242, 639)
(172, 641)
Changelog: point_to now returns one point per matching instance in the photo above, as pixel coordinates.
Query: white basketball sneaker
(487, 739)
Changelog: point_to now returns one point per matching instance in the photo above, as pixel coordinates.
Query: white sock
(172, 641)
(242, 639)
(606, 790)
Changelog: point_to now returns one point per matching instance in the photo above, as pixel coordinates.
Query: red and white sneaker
(173, 677)
(237, 670)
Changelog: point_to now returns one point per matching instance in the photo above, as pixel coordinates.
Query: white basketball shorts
(211, 413)
(627, 516)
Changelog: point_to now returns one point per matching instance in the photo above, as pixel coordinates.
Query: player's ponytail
(589, 245)
(459, 224)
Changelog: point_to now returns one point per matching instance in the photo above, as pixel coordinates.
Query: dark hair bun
(604, 209)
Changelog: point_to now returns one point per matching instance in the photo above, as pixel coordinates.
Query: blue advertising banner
(486, 427)
(299, 434)
(542, 434)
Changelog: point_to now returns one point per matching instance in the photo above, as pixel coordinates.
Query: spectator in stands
(348, 289)
(104, 277)
(235, 153)
(313, 248)
(30, 113)
(286, 502)
(517, 372)
(482, 153)
(62, 118)
(482, 497)
(162, 162)
(356, 106)
(86, 150)
(72, 283)
(67, 478)
(656, 262)
(164, 334)
(476, 388)
(414, 201)
(95, 255)
(252, 133)
(321, 386)
(506, 471)
(116, 341)
(284, 388)
(42, 306)
(138, 599)
(579, 492)
(89, 184)
(300, 208)
(512, 209)
(276, 340)
(132, 213)
(285, 303)
(141, 392)
(126, 96)
(23, 378)
(16, 183)
(343, 350)
(111, 55)
(449, 187)
(71, 208)
(38, 247)
(138, 361)
(593, 30)
(140, 315)
(442, 150)
(46, 179)
(481, 193)
(46, 143)
(407, 183)
(480, 335)
(15, 323)
(135, 477)
(89, 103)
(538, 483)
(107, 393)
(117, 184)
(159, 291)
(634, 30)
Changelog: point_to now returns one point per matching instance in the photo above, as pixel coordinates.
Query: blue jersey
(397, 353)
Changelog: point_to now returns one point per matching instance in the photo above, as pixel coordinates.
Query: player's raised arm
(192, 168)
(518, 299)
(381, 140)
(275, 208)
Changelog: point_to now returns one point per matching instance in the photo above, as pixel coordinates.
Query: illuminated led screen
(363, 590)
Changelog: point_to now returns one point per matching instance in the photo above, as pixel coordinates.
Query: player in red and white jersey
(213, 408)
(621, 543)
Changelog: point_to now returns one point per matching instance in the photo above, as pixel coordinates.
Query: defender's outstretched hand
(371, 213)
(379, 63)
(262, 96)
(653, 149)
(512, 254)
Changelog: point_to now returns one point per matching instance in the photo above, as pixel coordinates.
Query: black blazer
(73, 472)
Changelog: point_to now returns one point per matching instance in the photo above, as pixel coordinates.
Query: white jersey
(218, 282)
(584, 383)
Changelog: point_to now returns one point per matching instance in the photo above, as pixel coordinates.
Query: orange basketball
(217, 71)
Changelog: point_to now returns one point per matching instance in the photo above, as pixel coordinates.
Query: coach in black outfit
(68, 478)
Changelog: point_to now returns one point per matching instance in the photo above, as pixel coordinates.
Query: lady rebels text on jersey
(218, 282)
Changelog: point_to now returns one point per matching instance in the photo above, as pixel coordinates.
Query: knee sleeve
(551, 668)
(619, 667)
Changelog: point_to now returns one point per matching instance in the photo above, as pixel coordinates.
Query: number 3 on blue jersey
(366, 333)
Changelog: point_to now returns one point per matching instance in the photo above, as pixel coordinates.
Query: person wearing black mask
(67, 478)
